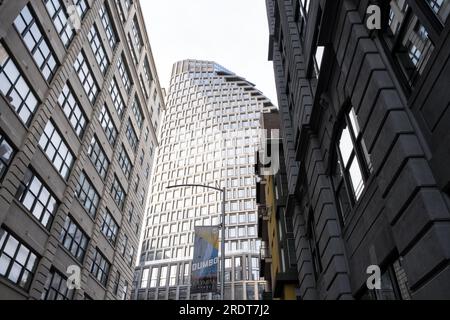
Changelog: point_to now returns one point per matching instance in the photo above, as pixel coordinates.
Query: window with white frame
(15, 88)
(35, 42)
(72, 110)
(37, 199)
(86, 77)
(60, 19)
(98, 49)
(57, 150)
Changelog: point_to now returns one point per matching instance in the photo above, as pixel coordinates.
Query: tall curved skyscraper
(209, 136)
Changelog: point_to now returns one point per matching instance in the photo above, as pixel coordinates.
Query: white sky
(233, 33)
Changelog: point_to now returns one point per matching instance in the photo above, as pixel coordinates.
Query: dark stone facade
(401, 218)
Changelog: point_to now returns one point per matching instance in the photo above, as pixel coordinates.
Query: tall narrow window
(15, 89)
(107, 25)
(37, 199)
(116, 97)
(87, 195)
(148, 74)
(136, 34)
(138, 112)
(100, 267)
(118, 193)
(86, 77)
(131, 48)
(98, 49)
(72, 110)
(108, 125)
(124, 75)
(125, 162)
(56, 150)
(353, 164)
(60, 19)
(17, 261)
(109, 227)
(98, 157)
(34, 40)
(74, 239)
(120, 10)
(131, 135)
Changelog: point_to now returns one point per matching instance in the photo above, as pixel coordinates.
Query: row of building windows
(234, 291)
(179, 274)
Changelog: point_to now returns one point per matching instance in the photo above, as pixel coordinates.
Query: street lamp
(222, 257)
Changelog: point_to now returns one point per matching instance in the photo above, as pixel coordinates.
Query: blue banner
(206, 260)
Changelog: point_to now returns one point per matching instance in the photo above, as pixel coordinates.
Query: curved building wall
(209, 136)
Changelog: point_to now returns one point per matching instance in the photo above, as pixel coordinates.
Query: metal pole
(222, 281)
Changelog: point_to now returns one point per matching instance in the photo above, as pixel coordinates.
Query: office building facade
(80, 104)
(209, 136)
(364, 121)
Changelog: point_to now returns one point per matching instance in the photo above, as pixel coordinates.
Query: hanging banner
(206, 260)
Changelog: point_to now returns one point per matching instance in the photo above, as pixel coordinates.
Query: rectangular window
(353, 165)
(120, 10)
(136, 34)
(125, 162)
(107, 125)
(98, 157)
(130, 47)
(74, 239)
(6, 155)
(148, 75)
(37, 199)
(87, 195)
(86, 77)
(408, 40)
(116, 97)
(15, 89)
(81, 7)
(17, 262)
(60, 19)
(130, 255)
(109, 227)
(98, 49)
(124, 244)
(163, 276)
(56, 150)
(37, 45)
(124, 74)
(124, 291)
(55, 287)
(138, 112)
(143, 87)
(72, 110)
(108, 27)
(131, 136)
(441, 8)
(144, 279)
(118, 193)
(116, 283)
(100, 267)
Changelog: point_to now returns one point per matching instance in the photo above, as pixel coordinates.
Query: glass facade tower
(209, 136)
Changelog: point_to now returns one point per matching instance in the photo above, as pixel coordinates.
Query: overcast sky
(233, 33)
